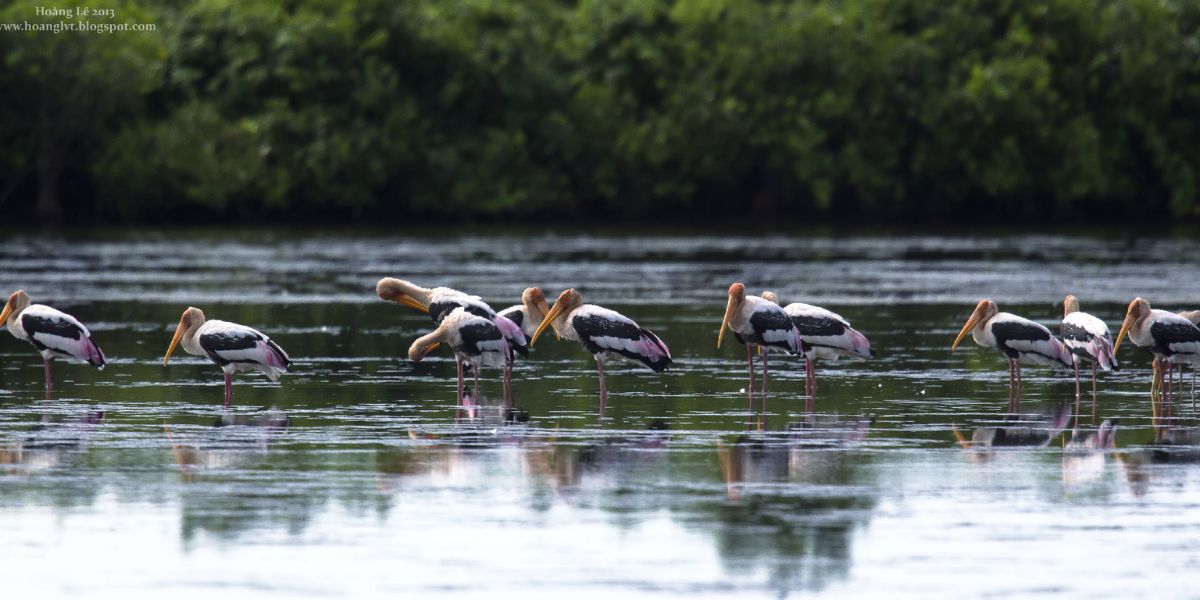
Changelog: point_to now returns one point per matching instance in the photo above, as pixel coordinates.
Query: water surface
(359, 474)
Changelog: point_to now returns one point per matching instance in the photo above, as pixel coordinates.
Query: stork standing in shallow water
(1088, 338)
(527, 315)
(52, 332)
(440, 301)
(1171, 338)
(1194, 317)
(605, 333)
(825, 335)
(1019, 339)
(757, 323)
(229, 346)
(474, 340)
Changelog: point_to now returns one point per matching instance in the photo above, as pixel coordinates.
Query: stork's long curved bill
(730, 308)
(174, 342)
(411, 302)
(4, 315)
(555, 312)
(971, 323)
(1120, 336)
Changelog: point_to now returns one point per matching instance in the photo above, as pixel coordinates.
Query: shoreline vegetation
(649, 112)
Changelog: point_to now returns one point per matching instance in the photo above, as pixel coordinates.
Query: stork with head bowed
(527, 315)
(440, 301)
(475, 340)
(1171, 338)
(1020, 340)
(1088, 338)
(229, 346)
(605, 333)
(825, 335)
(757, 323)
(51, 332)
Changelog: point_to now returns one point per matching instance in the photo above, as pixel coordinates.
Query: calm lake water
(357, 475)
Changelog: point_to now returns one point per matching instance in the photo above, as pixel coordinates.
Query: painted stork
(605, 333)
(1171, 338)
(1088, 338)
(825, 335)
(475, 340)
(440, 301)
(1019, 339)
(51, 332)
(1194, 317)
(756, 322)
(229, 346)
(527, 315)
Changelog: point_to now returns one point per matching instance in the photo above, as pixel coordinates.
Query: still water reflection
(358, 474)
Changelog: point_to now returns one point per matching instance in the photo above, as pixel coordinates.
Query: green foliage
(542, 108)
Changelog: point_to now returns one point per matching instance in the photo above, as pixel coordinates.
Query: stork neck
(191, 341)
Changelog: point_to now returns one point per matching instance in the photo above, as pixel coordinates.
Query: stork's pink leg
(1020, 390)
(764, 387)
(475, 372)
(49, 379)
(508, 382)
(461, 384)
(603, 389)
(1093, 393)
(1012, 380)
(750, 365)
(1077, 394)
(810, 386)
(228, 390)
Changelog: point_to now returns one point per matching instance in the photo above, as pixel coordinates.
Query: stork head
(422, 346)
(986, 309)
(1070, 304)
(770, 296)
(535, 302)
(17, 302)
(567, 301)
(403, 292)
(737, 297)
(191, 319)
(1138, 309)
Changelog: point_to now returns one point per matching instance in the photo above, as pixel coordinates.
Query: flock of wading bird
(481, 337)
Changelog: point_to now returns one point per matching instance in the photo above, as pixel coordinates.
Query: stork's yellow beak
(410, 302)
(7, 311)
(554, 313)
(730, 308)
(174, 341)
(971, 323)
(1125, 325)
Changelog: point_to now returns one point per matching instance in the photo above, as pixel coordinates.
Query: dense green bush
(481, 109)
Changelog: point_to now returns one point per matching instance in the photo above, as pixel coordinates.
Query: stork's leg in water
(1076, 398)
(603, 389)
(1012, 384)
(1093, 393)
(765, 377)
(49, 378)
(1020, 389)
(810, 386)
(228, 389)
(461, 384)
(475, 390)
(508, 365)
(750, 367)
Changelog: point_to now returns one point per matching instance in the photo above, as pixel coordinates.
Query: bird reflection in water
(1038, 433)
(1085, 457)
(233, 440)
(48, 442)
(802, 451)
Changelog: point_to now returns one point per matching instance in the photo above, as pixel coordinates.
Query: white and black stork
(439, 301)
(1088, 338)
(1194, 317)
(1171, 338)
(605, 333)
(1019, 339)
(475, 340)
(825, 335)
(228, 345)
(527, 315)
(52, 332)
(756, 323)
